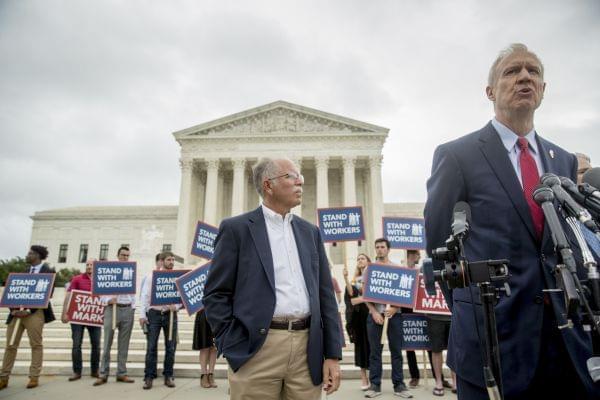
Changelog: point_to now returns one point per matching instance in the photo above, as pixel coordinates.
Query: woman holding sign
(204, 341)
(356, 318)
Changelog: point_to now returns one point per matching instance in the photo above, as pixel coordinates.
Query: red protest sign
(85, 309)
(426, 304)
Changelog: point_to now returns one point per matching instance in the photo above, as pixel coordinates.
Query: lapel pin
(551, 153)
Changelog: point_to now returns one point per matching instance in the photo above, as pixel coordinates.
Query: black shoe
(74, 377)
(147, 384)
(169, 382)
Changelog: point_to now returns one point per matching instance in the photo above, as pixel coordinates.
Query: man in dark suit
(269, 297)
(32, 321)
(495, 170)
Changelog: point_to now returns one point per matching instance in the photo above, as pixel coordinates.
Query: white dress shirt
(291, 294)
(35, 269)
(509, 140)
(121, 299)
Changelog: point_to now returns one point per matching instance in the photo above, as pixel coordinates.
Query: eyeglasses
(291, 176)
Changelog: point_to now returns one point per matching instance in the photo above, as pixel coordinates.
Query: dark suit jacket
(48, 313)
(476, 169)
(239, 295)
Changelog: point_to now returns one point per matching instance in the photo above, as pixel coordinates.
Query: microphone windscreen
(463, 206)
(592, 177)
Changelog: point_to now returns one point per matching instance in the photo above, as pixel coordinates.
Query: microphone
(544, 196)
(580, 197)
(461, 219)
(592, 178)
(570, 205)
(588, 190)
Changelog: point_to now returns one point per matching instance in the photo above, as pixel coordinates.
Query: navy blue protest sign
(191, 288)
(341, 224)
(164, 291)
(113, 278)
(404, 233)
(27, 290)
(204, 240)
(389, 284)
(415, 332)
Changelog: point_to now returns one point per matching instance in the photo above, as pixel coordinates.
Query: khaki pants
(279, 370)
(34, 324)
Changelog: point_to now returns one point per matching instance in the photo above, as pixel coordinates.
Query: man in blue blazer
(495, 171)
(269, 297)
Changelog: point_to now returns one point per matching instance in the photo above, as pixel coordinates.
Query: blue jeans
(156, 322)
(77, 336)
(394, 335)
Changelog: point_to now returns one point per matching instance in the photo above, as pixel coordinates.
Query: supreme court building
(339, 157)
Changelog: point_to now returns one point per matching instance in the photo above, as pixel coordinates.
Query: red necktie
(530, 179)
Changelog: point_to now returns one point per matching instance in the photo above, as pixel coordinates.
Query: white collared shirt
(35, 269)
(145, 294)
(291, 294)
(121, 299)
(509, 140)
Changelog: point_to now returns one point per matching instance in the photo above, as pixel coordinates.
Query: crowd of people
(364, 325)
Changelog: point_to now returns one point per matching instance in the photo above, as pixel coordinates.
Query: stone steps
(57, 350)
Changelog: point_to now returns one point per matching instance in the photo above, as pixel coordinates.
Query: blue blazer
(239, 295)
(475, 168)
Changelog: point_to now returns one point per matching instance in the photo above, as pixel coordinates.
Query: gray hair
(511, 49)
(260, 172)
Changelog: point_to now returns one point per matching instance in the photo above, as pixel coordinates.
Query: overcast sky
(91, 91)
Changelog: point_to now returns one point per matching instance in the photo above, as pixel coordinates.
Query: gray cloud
(92, 91)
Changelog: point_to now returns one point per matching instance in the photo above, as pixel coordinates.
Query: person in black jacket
(33, 321)
(356, 317)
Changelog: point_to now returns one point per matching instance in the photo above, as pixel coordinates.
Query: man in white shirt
(270, 288)
(125, 312)
(157, 318)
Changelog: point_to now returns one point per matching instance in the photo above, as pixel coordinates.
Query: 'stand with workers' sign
(191, 288)
(415, 334)
(113, 278)
(404, 233)
(341, 224)
(164, 290)
(27, 290)
(389, 284)
(204, 240)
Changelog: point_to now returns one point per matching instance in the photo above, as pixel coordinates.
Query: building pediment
(277, 119)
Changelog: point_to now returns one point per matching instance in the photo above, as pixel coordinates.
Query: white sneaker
(371, 393)
(404, 393)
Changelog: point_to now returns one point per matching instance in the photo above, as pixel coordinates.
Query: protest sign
(427, 304)
(390, 284)
(25, 290)
(85, 309)
(113, 278)
(204, 240)
(404, 233)
(415, 334)
(164, 291)
(191, 288)
(341, 224)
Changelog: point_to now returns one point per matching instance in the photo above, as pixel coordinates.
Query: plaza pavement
(58, 388)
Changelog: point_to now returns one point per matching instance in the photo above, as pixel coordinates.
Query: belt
(161, 312)
(291, 324)
(123, 305)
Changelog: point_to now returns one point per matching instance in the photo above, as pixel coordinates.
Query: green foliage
(16, 264)
(64, 275)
